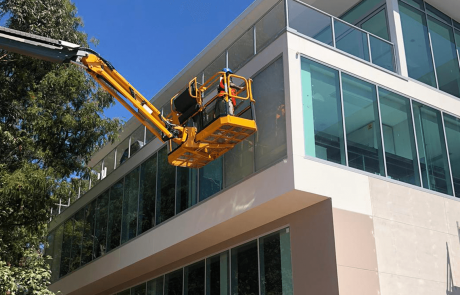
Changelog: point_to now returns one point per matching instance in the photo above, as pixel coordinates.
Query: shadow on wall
(451, 289)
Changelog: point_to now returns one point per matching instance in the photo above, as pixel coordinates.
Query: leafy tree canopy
(51, 121)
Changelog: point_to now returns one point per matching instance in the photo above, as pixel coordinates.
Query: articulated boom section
(198, 132)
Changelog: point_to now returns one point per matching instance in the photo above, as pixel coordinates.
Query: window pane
(275, 263)
(165, 189)
(77, 235)
(194, 279)
(362, 125)
(122, 152)
(268, 90)
(438, 14)
(398, 137)
(245, 276)
(55, 264)
(130, 201)
(155, 286)
(187, 188)
(453, 141)
(147, 194)
(351, 40)
(216, 66)
(382, 54)
(361, 10)
(322, 112)
(49, 249)
(241, 50)
(377, 25)
(88, 233)
(239, 161)
(148, 136)
(210, 179)
(139, 289)
(445, 56)
(432, 149)
(174, 282)
(310, 22)
(125, 292)
(115, 211)
(416, 3)
(96, 175)
(217, 275)
(137, 140)
(109, 162)
(270, 25)
(417, 45)
(66, 247)
(100, 236)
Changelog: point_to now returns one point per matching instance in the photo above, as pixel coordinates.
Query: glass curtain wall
(386, 133)
(115, 214)
(130, 206)
(100, 233)
(147, 194)
(430, 45)
(88, 233)
(165, 187)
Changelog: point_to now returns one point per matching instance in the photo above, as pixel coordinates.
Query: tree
(51, 121)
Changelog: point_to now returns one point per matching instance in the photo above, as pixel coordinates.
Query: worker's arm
(101, 70)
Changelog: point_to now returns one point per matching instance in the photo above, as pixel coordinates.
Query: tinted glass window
(115, 211)
(148, 186)
(165, 187)
(130, 204)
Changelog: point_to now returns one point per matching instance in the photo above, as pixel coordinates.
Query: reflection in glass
(241, 50)
(130, 200)
(56, 254)
(453, 142)
(270, 139)
(239, 161)
(322, 112)
(416, 3)
(147, 194)
(437, 14)
(445, 56)
(155, 286)
(139, 289)
(398, 137)
(125, 292)
(310, 22)
(100, 234)
(362, 124)
(270, 25)
(210, 179)
(417, 44)
(96, 174)
(109, 162)
(66, 247)
(377, 25)
(275, 263)
(194, 279)
(432, 149)
(88, 233)
(351, 40)
(77, 235)
(216, 66)
(137, 139)
(148, 136)
(165, 187)
(361, 10)
(187, 188)
(217, 274)
(245, 275)
(115, 211)
(174, 282)
(382, 53)
(122, 152)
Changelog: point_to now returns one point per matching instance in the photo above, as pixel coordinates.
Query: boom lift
(196, 133)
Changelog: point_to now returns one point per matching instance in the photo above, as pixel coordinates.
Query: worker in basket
(220, 104)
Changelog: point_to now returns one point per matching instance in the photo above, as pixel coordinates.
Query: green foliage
(51, 121)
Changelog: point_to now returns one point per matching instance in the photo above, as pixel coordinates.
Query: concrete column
(396, 34)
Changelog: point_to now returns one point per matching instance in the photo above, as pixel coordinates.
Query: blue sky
(150, 41)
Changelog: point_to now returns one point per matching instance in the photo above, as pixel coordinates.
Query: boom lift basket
(216, 132)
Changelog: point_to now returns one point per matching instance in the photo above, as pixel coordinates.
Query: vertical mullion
(183, 280)
(255, 39)
(369, 47)
(381, 132)
(286, 9)
(447, 151)
(416, 144)
(333, 31)
(205, 273)
(432, 54)
(115, 159)
(226, 58)
(122, 207)
(138, 199)
(129, 147)
(343, 118)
